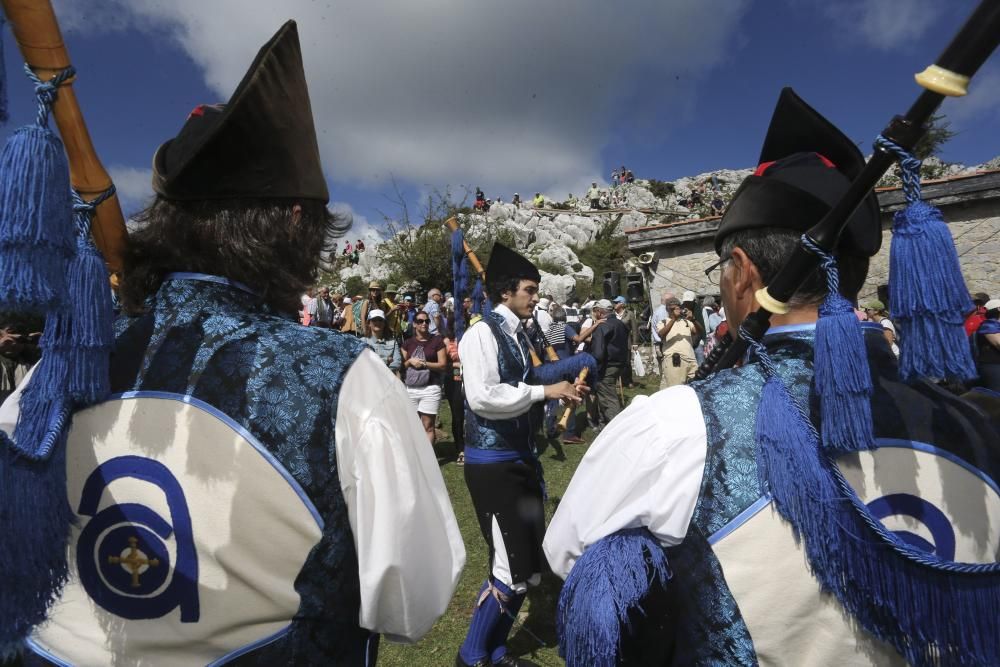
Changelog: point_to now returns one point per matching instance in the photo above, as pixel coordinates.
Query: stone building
(970, 205)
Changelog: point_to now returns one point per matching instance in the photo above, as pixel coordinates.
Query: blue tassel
(91, 326)
(36, 222)
(609, 579)
(933, 612)
(4, 114)
(460, 272)
(569, 368)
(843, 378)
(34, 508)
(928, 297)
(926, 283)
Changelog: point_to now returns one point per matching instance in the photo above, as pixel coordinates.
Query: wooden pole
(40, 40)
(564, 420)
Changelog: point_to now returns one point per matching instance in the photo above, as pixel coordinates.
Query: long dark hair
(249, 240)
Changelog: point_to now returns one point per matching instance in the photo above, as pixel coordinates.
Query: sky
(512, 95)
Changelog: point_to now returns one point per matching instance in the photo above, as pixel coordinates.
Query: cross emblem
(134, 560)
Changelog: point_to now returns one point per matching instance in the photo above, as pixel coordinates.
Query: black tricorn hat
(505, 264)
(262, 143)
(805, 166)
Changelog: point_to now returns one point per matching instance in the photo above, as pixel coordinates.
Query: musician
(683, 463)
(502, 469)
(259, 490)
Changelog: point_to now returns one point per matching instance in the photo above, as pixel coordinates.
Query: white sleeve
(487, 395)
(11, 407)
(644, 469)
(410, 551)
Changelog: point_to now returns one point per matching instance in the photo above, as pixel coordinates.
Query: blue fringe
(609, 579)
(460, 273)
(843, 379)
(36, 511)
(928, 297)
(569, 368)
(36, 220)
(933, 612)
(91, 331)
(4, 109)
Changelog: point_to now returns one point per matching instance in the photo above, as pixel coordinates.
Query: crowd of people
(247, 487)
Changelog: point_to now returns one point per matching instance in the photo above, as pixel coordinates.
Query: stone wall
(971, 207)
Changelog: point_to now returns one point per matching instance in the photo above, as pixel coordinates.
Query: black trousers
(455, 394)
(607, 392)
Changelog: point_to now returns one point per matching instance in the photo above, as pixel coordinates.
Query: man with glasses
(502, 469)
(433, 310)
(780, 551)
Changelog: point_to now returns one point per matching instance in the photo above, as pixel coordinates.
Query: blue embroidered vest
(213, 341)
(515, 434)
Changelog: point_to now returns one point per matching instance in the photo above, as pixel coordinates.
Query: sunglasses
(421, 321)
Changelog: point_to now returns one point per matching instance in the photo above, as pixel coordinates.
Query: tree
(934, 138)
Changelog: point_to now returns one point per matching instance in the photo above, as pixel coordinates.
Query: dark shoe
(573, 440)
(485, 662)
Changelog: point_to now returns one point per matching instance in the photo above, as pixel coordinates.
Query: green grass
(537, 616)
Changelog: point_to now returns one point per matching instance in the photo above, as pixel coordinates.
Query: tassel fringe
(569, 368)
(609, 579)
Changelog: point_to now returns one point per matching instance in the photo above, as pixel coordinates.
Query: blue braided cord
(847, 491)
(84, 210)
(909, 165)
(827, 261)
(46, 91)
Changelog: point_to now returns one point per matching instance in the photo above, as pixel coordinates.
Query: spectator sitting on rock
(480, 204)
(629, 178)
(718, 205)
(516, 201)
(360, 246)
(539, 200)
(594, 195)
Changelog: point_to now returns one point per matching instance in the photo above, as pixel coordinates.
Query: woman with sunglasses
(424, 359)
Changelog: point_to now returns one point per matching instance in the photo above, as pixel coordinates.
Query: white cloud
(982, 104)
(881, 24)
(134, 187)
(361, 228)
(449, 91)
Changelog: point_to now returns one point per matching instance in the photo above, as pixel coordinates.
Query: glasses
(714, 272)
(421, 321)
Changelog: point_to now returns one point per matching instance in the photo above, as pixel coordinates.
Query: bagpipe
(553, 369)
(61, 234)
(929, 322)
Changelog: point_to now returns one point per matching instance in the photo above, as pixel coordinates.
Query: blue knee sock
(498, 639)
(484, 620)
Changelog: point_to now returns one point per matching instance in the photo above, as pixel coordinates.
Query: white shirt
(659, 314)
(544, 319)
(410, 550)
(487, 395)
(644, 469)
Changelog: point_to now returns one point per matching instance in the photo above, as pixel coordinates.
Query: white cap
(992, 303)
(587, 306)
(449, 302)
(375, 312)
(687, 296)
(603, 303)
(347, 300)
(543, 303)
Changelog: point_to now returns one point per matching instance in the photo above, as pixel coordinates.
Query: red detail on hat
(764, 166)
(197, 111)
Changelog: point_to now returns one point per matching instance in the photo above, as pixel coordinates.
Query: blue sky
(517, 95)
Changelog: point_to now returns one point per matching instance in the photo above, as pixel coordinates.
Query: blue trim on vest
(260, 643)
(739, 520)
(209, 278)
(476, 455)
(38, 650)
(943, 453)
(228, 421)
(790, 328)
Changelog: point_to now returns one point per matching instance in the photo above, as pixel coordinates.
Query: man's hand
(8, 339)
(563, 391)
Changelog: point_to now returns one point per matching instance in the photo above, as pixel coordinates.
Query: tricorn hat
(262, 143)
(505, 263)
(805, 167)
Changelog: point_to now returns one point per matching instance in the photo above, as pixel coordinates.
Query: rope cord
(84, 210)
(827, 261)
(909, 166)
(47, 91)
